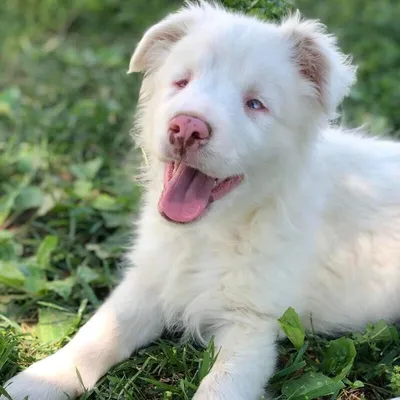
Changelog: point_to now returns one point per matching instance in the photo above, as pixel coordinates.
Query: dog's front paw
(208, 394)
(24, 386)
(217, 387)
(49, 379)
(222, 386)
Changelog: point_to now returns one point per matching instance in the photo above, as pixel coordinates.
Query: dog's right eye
(255, 104)
(182, 83)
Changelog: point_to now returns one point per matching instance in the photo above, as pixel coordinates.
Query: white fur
(315, 225)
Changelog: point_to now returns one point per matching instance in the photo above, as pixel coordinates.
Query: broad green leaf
(6, 204)
(312, 385)
(339, 357)
(395, 334)
(10, 274)
(6, 235)
(54, 325)
(88, 170)
(25, 165)
(62, 287)
(31, 156)
(357, 384)
(29, 197)
(92, 167)
(379, 332)
(35, 278)
(9, 248)
(293, 327)
(87, 274)
(105, 202)
(45, 249)
(9, 101)
(83, 189)
(49, 201)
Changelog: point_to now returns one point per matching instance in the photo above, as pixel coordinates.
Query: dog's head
(225, 95)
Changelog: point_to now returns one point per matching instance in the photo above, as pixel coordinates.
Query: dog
(255, 200)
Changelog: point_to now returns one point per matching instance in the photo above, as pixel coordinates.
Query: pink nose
(187, 133)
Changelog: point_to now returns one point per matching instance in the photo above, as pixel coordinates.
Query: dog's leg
(245, 362)
(129, 319)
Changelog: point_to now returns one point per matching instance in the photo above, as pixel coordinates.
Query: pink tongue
(186, 195)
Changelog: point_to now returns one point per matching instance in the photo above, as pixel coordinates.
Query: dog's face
(226, 95)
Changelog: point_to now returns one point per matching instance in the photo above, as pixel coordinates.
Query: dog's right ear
(157, 41)
(319, 61)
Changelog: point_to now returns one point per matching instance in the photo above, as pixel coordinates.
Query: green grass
(68, 195)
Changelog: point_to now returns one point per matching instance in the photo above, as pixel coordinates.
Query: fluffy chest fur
(232, 268)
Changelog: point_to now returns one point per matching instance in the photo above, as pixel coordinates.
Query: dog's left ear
(157, 41)
(328, 72)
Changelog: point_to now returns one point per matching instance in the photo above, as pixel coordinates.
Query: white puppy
(253, 203)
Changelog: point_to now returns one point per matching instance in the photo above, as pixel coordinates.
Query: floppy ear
(157, 41)
(319, 61)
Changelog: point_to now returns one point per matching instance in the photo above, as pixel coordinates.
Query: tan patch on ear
(319, 61)
(158, 36)
(311, 62)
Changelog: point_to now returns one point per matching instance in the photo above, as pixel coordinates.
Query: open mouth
(188, 192)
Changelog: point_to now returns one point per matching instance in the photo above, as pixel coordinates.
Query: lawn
(68, 196)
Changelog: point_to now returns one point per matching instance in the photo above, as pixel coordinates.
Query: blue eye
(255, 104)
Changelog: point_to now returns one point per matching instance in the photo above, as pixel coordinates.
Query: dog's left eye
(255, 104)
(182, 83)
